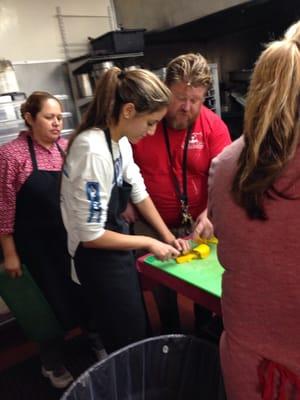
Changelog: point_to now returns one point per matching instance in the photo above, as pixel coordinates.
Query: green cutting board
(205, 274)
(29, 306)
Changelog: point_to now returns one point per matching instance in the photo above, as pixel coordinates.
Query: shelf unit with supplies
(117, 47)
(212, 99)
(90, 68)
(11, 122)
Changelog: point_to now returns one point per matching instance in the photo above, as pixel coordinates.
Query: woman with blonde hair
(254, 203)
(99, 178)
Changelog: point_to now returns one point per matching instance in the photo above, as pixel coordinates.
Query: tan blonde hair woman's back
(271, 122)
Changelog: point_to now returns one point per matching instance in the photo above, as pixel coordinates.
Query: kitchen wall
(158, 14)
(29, 29)
(31, 37)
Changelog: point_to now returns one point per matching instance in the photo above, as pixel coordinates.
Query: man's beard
(180, 124)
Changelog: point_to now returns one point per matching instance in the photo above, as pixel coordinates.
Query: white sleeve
(132, 174)
(91, 194)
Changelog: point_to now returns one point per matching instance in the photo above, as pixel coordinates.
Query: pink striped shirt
(15, 168)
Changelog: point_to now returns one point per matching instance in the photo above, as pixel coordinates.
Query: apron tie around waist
(276, 380)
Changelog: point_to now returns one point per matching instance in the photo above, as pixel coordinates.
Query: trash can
(171, 367)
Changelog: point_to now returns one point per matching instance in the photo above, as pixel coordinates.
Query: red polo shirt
(208, 138)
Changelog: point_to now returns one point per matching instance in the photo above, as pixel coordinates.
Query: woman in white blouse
(99, 178)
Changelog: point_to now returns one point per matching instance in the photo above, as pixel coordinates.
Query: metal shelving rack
(10, 127)
(85, 63)
(212, 100)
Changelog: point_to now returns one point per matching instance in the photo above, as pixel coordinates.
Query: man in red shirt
(176, 160)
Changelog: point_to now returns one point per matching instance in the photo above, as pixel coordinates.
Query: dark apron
(110, 281)
(41, 239)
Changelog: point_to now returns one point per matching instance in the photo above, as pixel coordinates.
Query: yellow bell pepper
(201, 251)
(212, 240)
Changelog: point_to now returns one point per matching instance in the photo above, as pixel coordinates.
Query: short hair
(191, 68)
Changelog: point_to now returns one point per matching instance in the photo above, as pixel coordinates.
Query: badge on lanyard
(186, 220)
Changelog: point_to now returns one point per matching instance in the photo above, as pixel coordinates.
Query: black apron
(41, 239)
(110, 280)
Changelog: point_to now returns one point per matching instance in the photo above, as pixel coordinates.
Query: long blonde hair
(271, 123)
(115, 88)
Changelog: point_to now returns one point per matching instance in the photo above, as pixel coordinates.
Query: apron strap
(108, 141)
(32, 153)
(62, 152)
(269, 372)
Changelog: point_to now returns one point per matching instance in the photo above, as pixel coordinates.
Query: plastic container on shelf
(7, 109)
(10, 104)
(122, 41)
(8, 79)
(9, 130)
(160, 368)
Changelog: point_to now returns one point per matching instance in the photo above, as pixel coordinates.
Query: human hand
(130, 214)
(203, 227)
(181, 245)
(162, 251)
(12, 266)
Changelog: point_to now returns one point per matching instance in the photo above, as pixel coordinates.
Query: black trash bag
(171, 367)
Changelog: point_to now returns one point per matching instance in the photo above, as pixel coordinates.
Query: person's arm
(94, 170)
(117, 241)
(203, 227)
(218, 139)
(149, 212)
(8, 192)
(130, 215)
(12, 262)
(144, 204)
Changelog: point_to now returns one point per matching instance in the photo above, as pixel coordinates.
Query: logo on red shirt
(196, 141)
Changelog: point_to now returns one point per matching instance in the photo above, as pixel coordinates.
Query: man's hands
(203, 227)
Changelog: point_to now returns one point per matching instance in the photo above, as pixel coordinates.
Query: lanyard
(187, 219)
